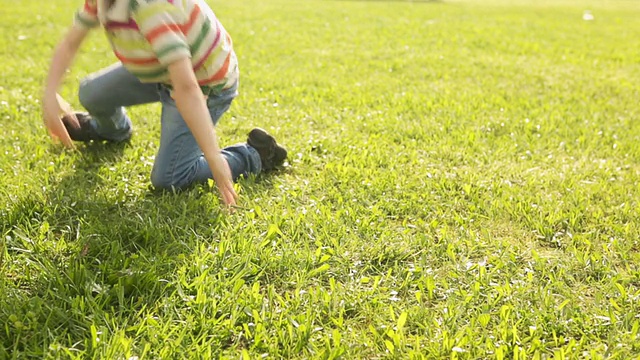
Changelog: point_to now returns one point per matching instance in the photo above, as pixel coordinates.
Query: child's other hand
(224, 181)
(54, 108)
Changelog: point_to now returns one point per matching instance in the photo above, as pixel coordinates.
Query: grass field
(463, 184)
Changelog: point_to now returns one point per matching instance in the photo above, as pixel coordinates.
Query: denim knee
(88, 95)
(161, 179)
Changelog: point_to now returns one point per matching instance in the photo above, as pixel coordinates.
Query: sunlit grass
(463, 183)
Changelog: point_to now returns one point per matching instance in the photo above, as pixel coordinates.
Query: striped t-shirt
(159, 32)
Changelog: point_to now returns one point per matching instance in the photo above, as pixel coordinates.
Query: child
(172, 51)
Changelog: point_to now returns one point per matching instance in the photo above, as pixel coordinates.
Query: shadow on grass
(81, 259)
(87, 258)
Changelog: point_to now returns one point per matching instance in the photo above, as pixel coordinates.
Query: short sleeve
(87, 16)
(161, 23)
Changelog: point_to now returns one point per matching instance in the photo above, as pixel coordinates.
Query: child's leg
(180, 163)
(105, 94)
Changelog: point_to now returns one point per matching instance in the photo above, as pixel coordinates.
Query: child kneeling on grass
(172, 51)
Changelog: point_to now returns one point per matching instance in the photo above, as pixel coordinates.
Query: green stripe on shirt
(86, 22)
(171, 48)
(149, 75)
(206, 27)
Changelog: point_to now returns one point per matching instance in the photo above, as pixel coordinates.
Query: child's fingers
(67, 112)
(61, 134)
(66, 140)
(228, 196)
(54, 137)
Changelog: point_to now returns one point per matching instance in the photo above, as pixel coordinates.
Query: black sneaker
(86, 132)
(272, 155)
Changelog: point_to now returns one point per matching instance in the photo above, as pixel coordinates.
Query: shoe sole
(262, 141)
(259, 138)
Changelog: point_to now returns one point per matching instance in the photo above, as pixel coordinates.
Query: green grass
(463, 183)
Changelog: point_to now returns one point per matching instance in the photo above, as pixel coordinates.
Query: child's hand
(224, 181)
(54, 108)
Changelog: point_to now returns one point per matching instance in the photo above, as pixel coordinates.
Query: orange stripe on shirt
(192, 19)
(161, 29)
(143, 61)
(220, 74)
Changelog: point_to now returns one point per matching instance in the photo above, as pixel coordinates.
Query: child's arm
(51, 106)
(191, 104)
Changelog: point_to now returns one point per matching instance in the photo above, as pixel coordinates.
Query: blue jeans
(179, 161)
